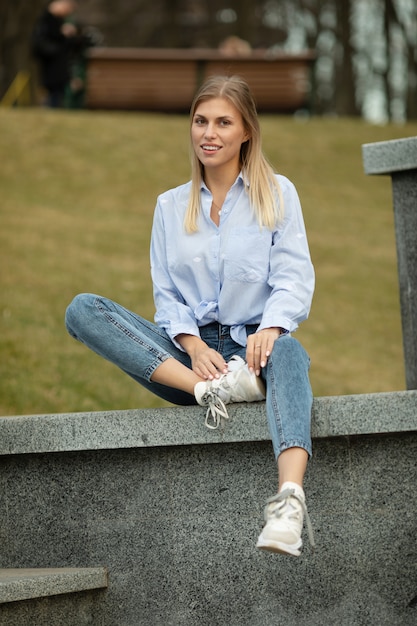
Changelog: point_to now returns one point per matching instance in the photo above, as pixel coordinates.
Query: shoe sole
(280, 548)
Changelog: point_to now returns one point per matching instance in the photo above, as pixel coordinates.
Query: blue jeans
(138, 347)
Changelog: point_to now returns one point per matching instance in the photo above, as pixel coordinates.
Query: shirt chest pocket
(246, 255)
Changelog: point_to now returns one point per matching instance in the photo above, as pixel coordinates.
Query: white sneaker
(284, 515)
(238, 385)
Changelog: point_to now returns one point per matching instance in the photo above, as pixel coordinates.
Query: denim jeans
(138, 347)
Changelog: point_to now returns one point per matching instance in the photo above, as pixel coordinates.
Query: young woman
(232, 279)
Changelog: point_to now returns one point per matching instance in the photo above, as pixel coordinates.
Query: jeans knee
(289, 347)
(78, 311)
(289, 356)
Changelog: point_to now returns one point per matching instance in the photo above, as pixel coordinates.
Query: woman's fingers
(259, 348)
(209, 364)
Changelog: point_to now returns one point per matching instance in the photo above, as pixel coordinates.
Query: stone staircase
(39, 588)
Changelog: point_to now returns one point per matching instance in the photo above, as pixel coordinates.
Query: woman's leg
(289, 402)
(136, 346)
(172, 373)
(292, 465)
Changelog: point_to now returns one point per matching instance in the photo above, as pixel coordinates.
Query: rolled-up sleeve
(291, 275)
(172, 313)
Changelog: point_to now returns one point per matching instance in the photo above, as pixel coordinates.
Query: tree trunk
(345, 103)
(412, 85)
(390, 17)
(246, 11)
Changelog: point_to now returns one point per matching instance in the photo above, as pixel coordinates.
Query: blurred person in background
(53, 39)
(75, 91)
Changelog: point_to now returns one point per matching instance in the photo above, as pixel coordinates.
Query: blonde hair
(263, 189)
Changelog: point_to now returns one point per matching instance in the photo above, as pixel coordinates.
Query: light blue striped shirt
(235, 273)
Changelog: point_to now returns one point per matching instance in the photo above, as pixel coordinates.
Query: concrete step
(25, 584)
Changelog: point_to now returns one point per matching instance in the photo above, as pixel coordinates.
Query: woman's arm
(206, 362)
(172, 313)
(291, 273)
(291, 278)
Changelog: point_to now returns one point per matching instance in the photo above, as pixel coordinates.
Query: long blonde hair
(264, 192)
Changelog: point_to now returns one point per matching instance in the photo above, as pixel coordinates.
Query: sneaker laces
(280, 498)
(216, 410)
(216, 406)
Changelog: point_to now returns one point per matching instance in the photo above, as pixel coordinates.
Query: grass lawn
(78, 191)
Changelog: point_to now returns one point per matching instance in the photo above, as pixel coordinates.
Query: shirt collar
(240, 180)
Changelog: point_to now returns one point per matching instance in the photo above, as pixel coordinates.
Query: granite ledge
(386, 157)
(333, 416)
(25, 584)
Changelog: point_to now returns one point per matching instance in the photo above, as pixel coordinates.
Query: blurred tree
(401, 38)
(17, 18)
(345, 99)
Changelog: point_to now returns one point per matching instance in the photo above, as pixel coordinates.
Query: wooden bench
(166, 79)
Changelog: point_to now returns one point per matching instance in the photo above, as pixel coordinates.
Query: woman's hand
(205, 362)
(259, 347)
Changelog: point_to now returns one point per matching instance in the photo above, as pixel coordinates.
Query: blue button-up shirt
(236, 273)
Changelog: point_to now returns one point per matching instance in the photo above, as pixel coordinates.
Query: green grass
(77, 197)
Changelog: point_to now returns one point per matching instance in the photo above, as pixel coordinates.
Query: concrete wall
(173, 511)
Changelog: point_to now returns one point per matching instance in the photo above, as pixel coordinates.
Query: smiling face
(217, 133)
